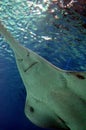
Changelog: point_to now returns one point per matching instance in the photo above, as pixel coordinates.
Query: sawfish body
(55, 98)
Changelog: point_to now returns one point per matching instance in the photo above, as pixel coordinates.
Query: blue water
(61, 41)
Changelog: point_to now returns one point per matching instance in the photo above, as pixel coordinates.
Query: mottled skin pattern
(55, 98)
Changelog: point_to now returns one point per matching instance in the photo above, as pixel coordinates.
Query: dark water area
(57, 35)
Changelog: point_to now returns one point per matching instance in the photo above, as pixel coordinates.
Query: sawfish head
(36, 109)
(31, 66)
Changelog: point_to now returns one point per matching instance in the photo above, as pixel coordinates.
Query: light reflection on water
(54, 38)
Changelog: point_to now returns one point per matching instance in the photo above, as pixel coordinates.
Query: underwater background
(57, 35)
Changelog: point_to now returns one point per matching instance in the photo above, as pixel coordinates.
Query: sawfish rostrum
(55, 98)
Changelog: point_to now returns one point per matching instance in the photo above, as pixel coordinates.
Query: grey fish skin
(55, 98)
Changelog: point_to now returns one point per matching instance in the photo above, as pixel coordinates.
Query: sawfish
(55, 98)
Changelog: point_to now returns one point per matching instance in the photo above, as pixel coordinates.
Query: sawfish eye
(31, 109)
